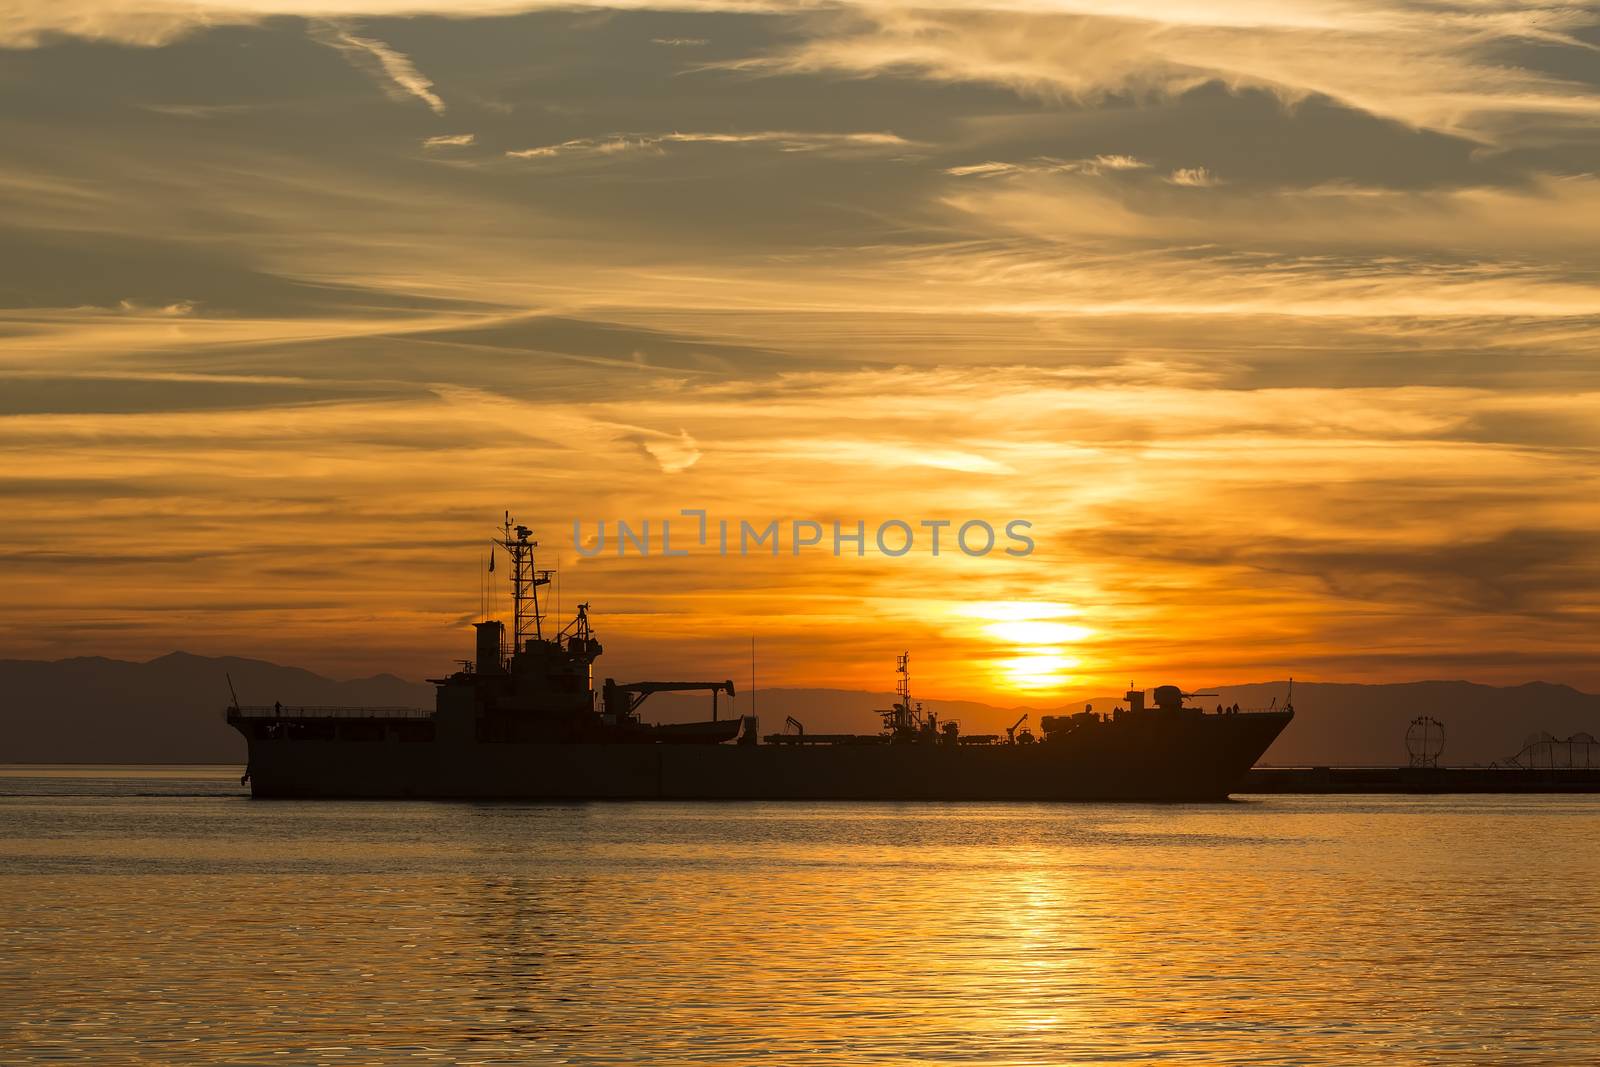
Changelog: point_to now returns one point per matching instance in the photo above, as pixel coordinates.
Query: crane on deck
(623, 700)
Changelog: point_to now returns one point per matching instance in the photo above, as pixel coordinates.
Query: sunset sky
(1280, 321)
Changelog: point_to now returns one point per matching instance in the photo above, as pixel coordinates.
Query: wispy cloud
(1436, 66)
(990, 169)
(1195, 177)
(399, 76)
(784, 141)
(675, 454)
(1116, 162)
(1433, 68)
(176, 308)
(1047, 165)
(1351, 338)
(586, 146)
(1099, 458)
(794, 142)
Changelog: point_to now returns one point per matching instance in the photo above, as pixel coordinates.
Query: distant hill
(169, 710)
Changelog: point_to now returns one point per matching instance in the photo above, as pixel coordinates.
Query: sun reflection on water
(159, 916)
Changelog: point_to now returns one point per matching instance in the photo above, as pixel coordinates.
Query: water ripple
(161, 918)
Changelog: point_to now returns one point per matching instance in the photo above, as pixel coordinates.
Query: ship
(523, 720)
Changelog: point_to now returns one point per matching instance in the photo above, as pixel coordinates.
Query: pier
(1421, 780)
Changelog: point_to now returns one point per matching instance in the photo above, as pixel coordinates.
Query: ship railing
(825, 739)
(325, 711)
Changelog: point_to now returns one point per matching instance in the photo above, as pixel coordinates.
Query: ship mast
(903, 688)
(903, 719)
(525, 582)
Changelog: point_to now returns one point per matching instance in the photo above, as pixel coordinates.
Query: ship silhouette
(522, 719)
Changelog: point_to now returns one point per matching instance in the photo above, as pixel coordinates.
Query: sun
(1037, 632)
(1037, 671)
(1017, 610)
(1030, 644)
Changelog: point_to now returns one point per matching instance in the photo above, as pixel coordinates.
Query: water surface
(158, 915)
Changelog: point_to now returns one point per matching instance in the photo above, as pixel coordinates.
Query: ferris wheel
(1424, 741)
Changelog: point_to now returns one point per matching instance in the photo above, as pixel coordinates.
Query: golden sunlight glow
(1316, 393)
(1036, 632)
(1017, 610)
(1037, 671)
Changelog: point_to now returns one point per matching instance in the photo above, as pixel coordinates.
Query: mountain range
(170, 710)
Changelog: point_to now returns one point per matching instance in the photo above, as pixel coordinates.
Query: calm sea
(160, 916)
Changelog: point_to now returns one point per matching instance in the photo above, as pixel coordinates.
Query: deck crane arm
(1011, 731)
(624, 699)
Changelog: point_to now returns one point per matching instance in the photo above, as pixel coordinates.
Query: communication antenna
(526, 579)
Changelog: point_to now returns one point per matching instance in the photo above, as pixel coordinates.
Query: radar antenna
(526, 613)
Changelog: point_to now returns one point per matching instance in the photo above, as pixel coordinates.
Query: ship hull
(1200, 758)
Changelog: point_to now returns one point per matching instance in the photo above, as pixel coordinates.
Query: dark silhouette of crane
(1011, 731)
(624, 700)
